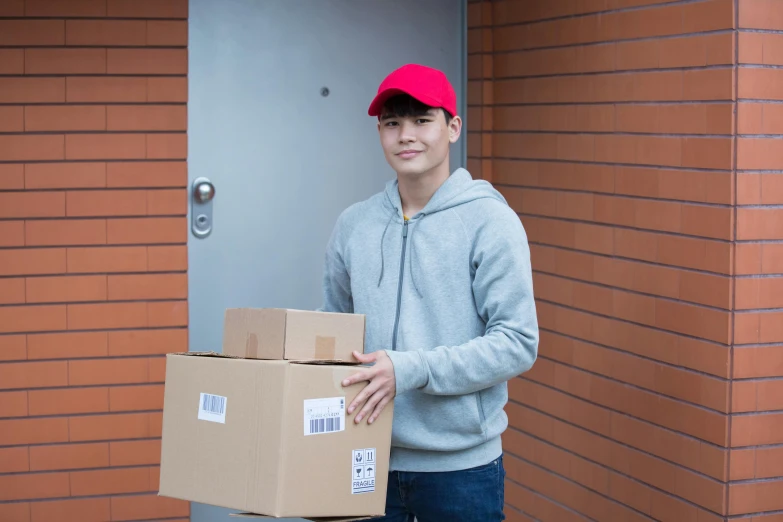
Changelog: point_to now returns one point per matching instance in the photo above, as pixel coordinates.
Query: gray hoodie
(449, 296)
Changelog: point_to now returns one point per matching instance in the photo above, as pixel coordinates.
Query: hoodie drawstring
(413, 255)
(383, 264)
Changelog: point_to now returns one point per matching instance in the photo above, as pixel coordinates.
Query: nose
(407, 134)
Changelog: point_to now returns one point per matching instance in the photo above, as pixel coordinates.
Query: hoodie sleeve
(336, 280)
(503, 292)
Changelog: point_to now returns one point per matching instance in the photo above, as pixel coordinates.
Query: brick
(104, 146)
(757, 362)
(147, 61)
(11, 118)
(58, 8)
(759, 154)
(147, 507)
(108, 371)
(759, 293)
(105, 32)
(760, 14)
(32, 32)
(147, 342)
(67, 345)
(65, 232)
(32, 90)
(149, 286)
(82, 509)
(712, 222)
(147, 174)
(66, 288)
(756, 429)
(688, 319)
(31, 147)
(772, 48)
(106, 203)
(119, 89)
(33, 431)
(167, 202)
(167, 33)
(69, 456)
(106, 315)
(167, 146)
(12, 404)
(751, 47)
(148, 8)
(64, 175)
(13, 460)
(110, 481)
(768, 462)
(712, 15)
(147, 230)
(12, 8)
(109, 427)
(136, 398)
(107, 259)
(64, 118)
(759, 223)
(65, 61)
(755, 83)
(135, 453)
(167, 313)
(30, 262)
(69, 401)
(40, 318)
(31, 205)
(11, 61)
(11, 176)
(147, 118)
(709, 153)
(167, 258)
(708, 84)
(33, 374)
(33, 486)
(167, 90)
(13, 347)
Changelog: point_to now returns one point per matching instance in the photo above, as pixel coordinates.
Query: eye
(422, 121)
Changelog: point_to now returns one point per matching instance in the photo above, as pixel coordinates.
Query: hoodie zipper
(399, 285)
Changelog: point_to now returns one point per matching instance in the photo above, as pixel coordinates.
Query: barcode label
(324, 415)
(212, 408)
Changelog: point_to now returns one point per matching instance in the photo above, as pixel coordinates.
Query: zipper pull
(405, 229)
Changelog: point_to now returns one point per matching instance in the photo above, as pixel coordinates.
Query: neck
(416, 191)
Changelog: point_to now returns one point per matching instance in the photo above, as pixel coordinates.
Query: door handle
(202, 194)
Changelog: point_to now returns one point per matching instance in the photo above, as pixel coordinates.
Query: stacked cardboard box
(262, 427)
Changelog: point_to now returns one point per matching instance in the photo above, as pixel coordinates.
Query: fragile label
(212, 408)
(324, 415)
(363, 477)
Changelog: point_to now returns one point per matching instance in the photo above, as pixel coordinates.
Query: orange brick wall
(609, 125)
(757, 397)
(93, 254)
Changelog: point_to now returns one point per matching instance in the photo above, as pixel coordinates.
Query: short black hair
(405, 105)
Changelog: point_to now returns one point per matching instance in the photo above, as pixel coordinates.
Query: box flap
(316, 519)
(206, 354)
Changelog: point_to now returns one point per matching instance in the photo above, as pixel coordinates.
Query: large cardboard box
(276, 333)
(271, 438)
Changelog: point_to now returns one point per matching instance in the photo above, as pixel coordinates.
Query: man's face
(415, 145)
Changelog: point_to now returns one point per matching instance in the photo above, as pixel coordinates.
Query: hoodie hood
(458, 189)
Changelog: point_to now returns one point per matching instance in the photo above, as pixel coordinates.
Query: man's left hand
(380, 390)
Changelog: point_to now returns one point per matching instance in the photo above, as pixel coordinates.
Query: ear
(455, 129)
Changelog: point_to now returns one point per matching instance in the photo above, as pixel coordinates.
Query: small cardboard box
(282, 334)
(271, 438)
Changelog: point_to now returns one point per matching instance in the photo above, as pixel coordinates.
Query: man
(440, 265)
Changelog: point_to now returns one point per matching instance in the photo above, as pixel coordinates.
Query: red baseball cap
(429, 86)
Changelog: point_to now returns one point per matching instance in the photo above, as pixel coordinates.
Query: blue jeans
(471, 495)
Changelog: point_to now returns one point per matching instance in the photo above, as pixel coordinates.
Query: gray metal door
(278, 123)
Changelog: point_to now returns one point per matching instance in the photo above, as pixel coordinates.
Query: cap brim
(382, 97)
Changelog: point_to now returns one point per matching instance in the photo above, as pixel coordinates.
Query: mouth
(408, 154)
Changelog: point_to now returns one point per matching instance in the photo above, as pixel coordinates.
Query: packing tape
(251, 346)
(325, 347)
